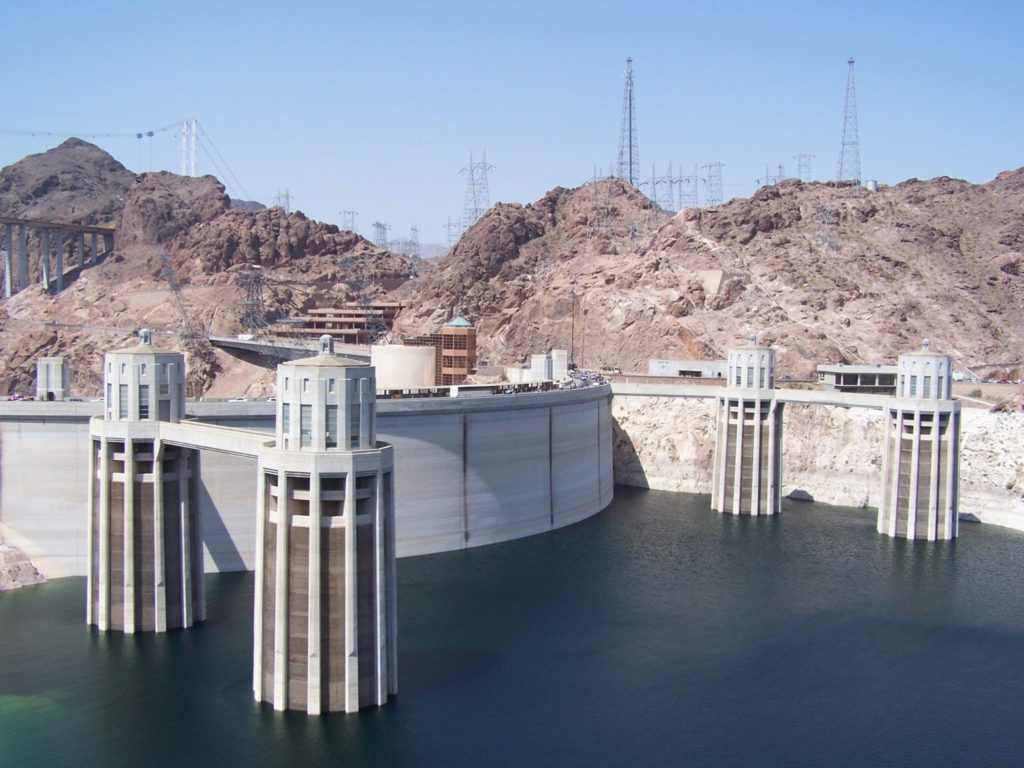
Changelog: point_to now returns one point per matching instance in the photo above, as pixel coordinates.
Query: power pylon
(478, 195)
(803, 165)
(629, 153)
(849, 147)
(380, 234)
(713, 183)
(454, 231)
(254, 313)
(348, 221)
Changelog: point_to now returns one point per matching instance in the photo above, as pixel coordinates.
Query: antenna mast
(629, 153)
(849, 147)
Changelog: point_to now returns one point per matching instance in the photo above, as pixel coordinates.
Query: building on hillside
(455, 358)
(689, 369)
(351, 323)
(866, 379)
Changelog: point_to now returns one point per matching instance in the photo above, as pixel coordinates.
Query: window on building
(332, 426)
(143, 402)
(142, 369)
(750, 375)
(305, 426)
(353, 426)
(286, 380)
(122, 405)
(926, 389)
(286, 417)
(164, 388)
(305, 385)
(762, 378)
(110, 399)
(124, 368)
(738, 375)
(330, 386)
(913, 386)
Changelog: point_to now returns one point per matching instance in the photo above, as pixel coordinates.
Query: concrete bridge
(292, 349)
(55, 239)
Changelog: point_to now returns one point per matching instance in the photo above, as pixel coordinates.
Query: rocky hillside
(820, 271)
(168, 226)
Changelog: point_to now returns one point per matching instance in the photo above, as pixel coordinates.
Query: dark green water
(658, 633)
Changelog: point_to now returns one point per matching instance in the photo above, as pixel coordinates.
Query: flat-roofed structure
(691, 369)
(866, 379)
(456, 351)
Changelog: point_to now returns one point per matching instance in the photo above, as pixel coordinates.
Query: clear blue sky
(376, 106)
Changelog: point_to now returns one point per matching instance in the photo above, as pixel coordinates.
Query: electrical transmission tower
(803, 165)
(478, 196)
(713, 183)
(629, 153)
(849, 147)
(688, 186)
(454, 230)
(254, 312)
(283, 200)
(189, 138)
(380, 234)
(348, 221)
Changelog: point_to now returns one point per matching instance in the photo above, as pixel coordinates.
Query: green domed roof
(459, 322)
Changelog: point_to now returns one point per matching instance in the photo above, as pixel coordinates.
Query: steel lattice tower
(478, 195)
(629, 153)
(849, 148)
(713, 182)
(803, 164)
(254, 313)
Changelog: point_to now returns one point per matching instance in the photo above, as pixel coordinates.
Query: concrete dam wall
(469, 471)
(831, 453)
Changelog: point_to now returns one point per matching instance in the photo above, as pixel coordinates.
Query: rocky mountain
(823, 272)
(168, 228)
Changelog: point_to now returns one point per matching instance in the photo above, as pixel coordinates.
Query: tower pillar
(145, 571)
(748, 436)
(324, 615)
(920, 466)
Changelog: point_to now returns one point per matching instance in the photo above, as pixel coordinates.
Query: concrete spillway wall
(468, 472)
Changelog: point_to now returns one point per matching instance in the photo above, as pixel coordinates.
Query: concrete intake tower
(920, 469)
(748, 436)
(325, 616)
(145, 567)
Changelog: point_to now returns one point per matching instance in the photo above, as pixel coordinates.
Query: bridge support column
(8, 260)
(748, 440)
(59, 267)
(80, 250)
(44, 258)
(93, 254)
(22, 257)
(145, 574)
(324, 613)
(920, 470)
(108, 244)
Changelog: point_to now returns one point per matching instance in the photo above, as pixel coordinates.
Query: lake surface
(657, 633)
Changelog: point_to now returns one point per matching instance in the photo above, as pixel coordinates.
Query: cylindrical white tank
(401, 367)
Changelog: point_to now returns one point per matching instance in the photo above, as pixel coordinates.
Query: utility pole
(849, 146)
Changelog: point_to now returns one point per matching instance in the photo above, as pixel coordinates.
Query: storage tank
(402, 367)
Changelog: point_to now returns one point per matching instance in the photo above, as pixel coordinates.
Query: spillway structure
(920, 459)
(324, 629)
(145, 568)
(748, 435)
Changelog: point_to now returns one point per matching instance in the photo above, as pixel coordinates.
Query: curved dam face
(469, 471)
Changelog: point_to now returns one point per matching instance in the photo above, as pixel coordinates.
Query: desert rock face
(168, 227)
(821, 272)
